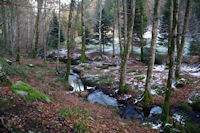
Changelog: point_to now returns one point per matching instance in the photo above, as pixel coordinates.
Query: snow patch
(153, 125)
(178, 118)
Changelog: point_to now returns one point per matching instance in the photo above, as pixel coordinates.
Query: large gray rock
(130, 113)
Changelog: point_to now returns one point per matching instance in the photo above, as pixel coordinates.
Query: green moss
(29, 93)
(104, 67)
(140, 77)
(147, 100)
(126, 89)
(3, 62)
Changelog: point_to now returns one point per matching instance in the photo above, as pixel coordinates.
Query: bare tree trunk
(147, 100)
(83, 60)
(58, 53)
(12, 30)
(45, 36)
(100, 25)
(4, 25)
(37, 28)
(180, 51)
(18, 36)
(178, 29)
(170, 25)
(125, 22)
(142, 30)
(126, 49)
(119, 28)
(68, 40)
(113, 43)
(165, 113)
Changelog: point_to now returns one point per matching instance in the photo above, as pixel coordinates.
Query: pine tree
(164, 25)
(54, 27)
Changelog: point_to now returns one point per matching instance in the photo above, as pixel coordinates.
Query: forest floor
(21, 115)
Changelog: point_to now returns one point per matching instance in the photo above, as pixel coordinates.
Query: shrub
(186, 107)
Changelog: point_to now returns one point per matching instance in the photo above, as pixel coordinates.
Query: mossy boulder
(27, 92)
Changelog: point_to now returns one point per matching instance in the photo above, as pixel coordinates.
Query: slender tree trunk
(18, 36)
(113, 43)
(126, 50)
(100, 26)
(83, 60)
(37, 28)
(170, 25)
(147, 100)
(12, 30)
(45, 36)
(125, 22)
(119, 28)
(165, 113)
(28, 32)
(68, 40)
(178, 29)
(142, 29)
(181, 48)
(58, 52)
(4, 25)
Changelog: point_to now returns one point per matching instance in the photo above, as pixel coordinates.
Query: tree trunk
(165, 113)
(4, 25)
(119, 28)
(58, 52)
(147, 100)
(28, 32)
(45, 36)
(142, 30)
(68, 40)
(113, 43)
(18, 36)
(100, 20)
(83, 60)
(125, 22)
(11, 30)
(178, 29)
(180, 51)
(37, 28)
(126, 49)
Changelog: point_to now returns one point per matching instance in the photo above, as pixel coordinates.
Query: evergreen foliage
(53, 27)
(164, 25)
